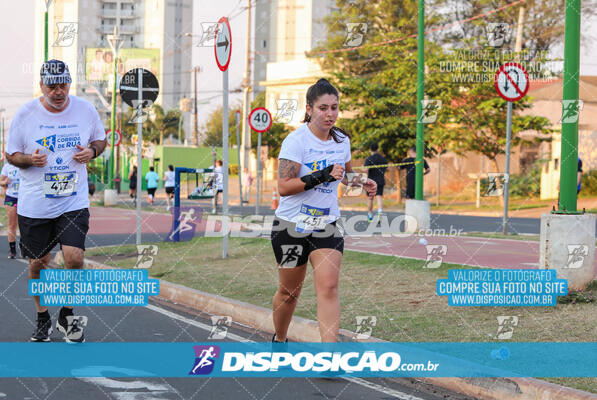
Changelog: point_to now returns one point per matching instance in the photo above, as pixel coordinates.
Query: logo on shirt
(314, 211)
(48, 142)
(317, 165)
(68, 141)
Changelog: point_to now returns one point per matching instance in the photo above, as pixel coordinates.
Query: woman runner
(312, 163)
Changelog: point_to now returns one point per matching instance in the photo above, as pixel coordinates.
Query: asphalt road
(165, 322)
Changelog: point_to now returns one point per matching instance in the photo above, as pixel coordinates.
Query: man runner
(51, 139)
(9, 178)
(376, 172)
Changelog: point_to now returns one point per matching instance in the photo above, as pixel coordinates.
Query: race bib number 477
(61, 184)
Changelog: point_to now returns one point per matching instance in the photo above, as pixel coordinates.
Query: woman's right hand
(337, 172)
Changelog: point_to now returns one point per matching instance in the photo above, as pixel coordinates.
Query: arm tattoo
(288, 169)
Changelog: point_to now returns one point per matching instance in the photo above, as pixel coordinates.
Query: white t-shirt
(170, 179)
(60, 186)
(314, 154)
(218, 177)
(12, 173)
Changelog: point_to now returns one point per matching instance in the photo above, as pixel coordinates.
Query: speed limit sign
(260, 119)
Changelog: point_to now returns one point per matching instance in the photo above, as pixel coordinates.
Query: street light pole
(246, 134)
(570, 103)
(115, 44)
(48, 3)
(420, 93)
(195, 127)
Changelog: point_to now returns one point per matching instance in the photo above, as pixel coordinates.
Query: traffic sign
(129, 88)
(117, 138)
(512, 81)
(260, 119)
(223, 44)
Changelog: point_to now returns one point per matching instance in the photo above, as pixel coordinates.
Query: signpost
(139, 88)
(512, 84)
(260, 121)
(222, 51)
(240, 180)
(117, 137)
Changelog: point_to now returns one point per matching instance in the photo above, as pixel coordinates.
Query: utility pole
(195, 127)
(246, 140)
(115, 44)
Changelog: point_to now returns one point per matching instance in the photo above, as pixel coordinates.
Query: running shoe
(12, 255)
(369, 217)
(42, 331)
(72, 328)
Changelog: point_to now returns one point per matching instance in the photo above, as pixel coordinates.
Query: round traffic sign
(260, 119)
(512, 81)
(129, 87)
(223, 44)
(117, 137)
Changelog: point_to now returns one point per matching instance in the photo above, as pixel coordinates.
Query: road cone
(275, 200)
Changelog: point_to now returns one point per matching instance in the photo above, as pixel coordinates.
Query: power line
(386, 42)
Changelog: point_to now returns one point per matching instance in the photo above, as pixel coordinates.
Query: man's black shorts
(292, 248)
(40, 235)
(151, 191)
(379, 190)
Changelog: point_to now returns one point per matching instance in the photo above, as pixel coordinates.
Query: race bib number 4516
(60, 184)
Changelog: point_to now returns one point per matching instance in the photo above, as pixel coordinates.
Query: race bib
(60, 184)
(311, 219)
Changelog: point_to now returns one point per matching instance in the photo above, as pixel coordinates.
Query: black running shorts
(379, 190)
(40, 235)
(292, 248)
(169, 189)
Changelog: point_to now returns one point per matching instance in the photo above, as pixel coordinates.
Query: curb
(305, 330)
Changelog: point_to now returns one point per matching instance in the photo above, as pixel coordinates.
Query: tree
(543, 21)
(378, 83)
(166, 123)
(212, 128)
(158, 124)
(274, 136)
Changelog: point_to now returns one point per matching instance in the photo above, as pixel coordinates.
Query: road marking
(358, 381)
(484, 242)
(197, 324)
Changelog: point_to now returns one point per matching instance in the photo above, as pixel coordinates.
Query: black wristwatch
(94, 151)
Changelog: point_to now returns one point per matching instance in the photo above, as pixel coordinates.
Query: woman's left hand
(371, 187)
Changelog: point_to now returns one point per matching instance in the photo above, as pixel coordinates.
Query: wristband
(94, 151)
(318, 177)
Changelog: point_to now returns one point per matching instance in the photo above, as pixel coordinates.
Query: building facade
(296, 27)
(153, 35)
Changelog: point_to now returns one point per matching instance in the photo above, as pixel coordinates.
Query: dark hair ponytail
(321, 87)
